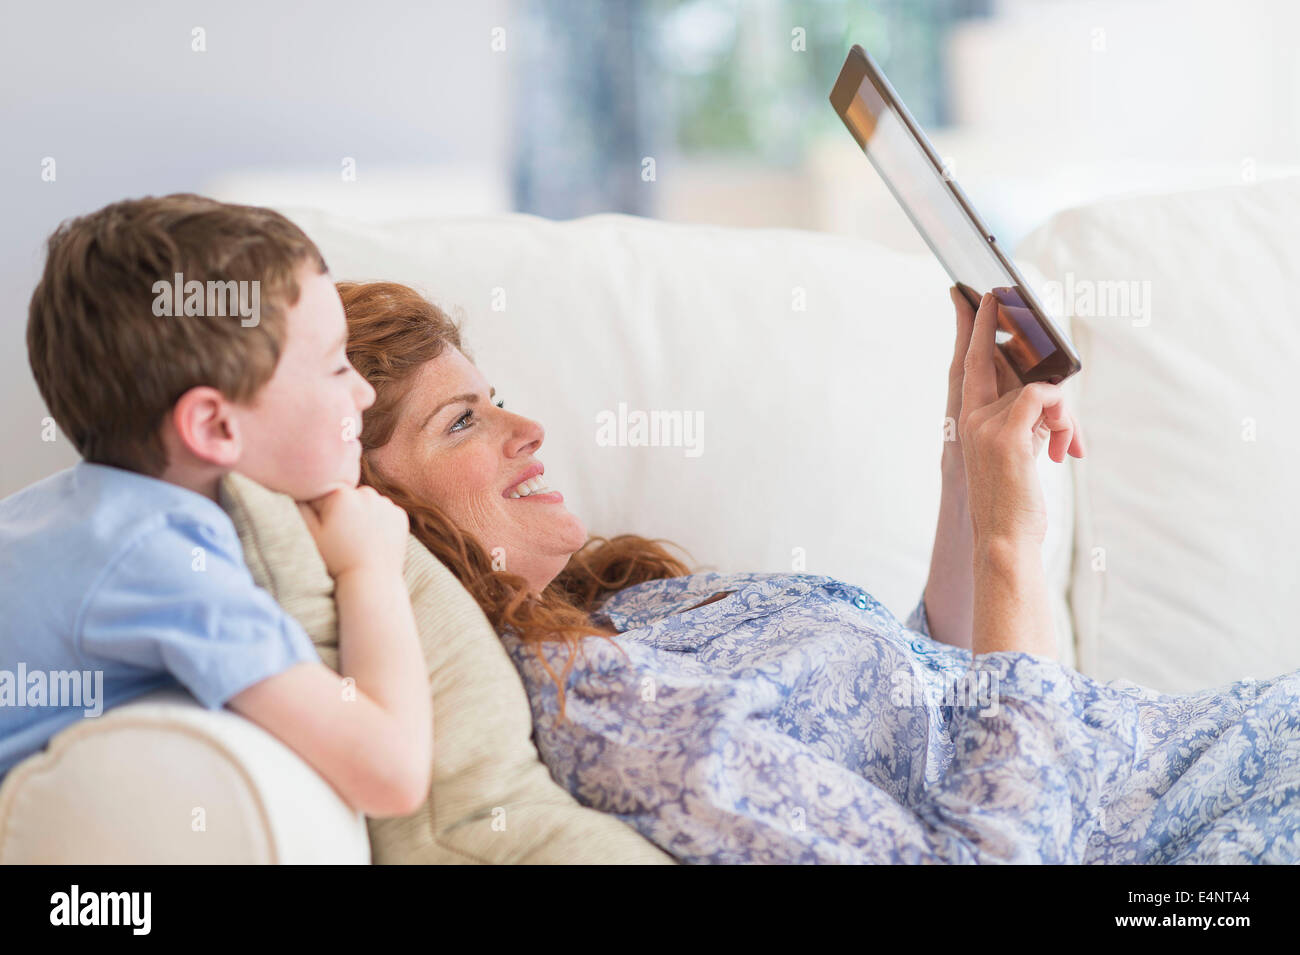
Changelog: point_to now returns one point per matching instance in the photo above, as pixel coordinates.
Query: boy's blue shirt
(103, 570)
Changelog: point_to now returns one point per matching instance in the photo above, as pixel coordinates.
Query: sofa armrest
(163, 780)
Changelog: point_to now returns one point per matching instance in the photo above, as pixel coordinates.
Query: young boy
(176, 339)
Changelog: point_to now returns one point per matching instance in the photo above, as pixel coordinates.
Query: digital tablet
(1027, 337)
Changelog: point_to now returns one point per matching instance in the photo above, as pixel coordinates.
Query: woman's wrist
(953, 470)
(948, 587)
(1011, 607)
(1006, 556)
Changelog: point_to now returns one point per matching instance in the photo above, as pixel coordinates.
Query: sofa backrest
(814, 365)
(1184, 308)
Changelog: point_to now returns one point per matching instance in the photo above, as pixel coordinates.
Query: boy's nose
(366, 395)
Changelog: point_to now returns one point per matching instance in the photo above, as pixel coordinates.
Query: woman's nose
(528, 430)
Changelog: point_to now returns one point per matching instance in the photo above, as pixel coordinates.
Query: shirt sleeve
(180, 599)
(917, 620)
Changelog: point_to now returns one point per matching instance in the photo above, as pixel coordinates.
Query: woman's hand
(954, 465)
(950, 588)
(953, 456)
(1001, 431)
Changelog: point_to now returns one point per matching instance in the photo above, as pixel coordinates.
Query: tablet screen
(964, 251)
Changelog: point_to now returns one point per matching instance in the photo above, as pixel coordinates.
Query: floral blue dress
(797, 721)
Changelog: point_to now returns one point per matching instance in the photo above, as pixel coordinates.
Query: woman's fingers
(965, 324)
(1008, 380)
(989, 383)
(1076, 446)
(1060, 443)
(979, 385)
(1042, 405)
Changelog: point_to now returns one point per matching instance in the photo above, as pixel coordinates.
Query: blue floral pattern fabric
(797, 721)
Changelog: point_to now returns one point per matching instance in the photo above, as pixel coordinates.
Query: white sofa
(163, 780)
(817, 364)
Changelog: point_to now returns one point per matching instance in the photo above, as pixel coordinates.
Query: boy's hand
(357, 527)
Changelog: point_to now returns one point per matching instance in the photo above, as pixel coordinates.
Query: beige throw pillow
(492, 800)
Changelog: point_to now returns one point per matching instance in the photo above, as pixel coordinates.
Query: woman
(790, 717)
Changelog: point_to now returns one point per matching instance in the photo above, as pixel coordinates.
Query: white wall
(1181, 93)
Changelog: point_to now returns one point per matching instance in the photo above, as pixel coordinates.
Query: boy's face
(301, 431)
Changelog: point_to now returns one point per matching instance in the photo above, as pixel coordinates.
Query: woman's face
(454, 448)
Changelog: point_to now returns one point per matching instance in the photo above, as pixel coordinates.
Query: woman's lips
(551, 497)
(534, 470)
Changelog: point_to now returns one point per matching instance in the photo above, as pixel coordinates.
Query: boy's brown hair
(108, 366)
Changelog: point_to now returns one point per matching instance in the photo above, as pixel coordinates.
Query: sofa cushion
(492, 800)
(1183, 308)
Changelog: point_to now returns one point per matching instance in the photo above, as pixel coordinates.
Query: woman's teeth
(531, 486)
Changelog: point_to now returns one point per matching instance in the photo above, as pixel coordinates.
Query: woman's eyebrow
(471, 398)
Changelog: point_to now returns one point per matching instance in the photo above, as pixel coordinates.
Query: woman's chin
(577, 530)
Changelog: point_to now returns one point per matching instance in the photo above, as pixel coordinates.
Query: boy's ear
(205, 424)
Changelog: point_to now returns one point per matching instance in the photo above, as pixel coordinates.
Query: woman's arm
(1001, 437)
(950, 587)
(1011, 607)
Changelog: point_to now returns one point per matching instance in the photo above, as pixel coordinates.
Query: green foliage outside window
(741, 78)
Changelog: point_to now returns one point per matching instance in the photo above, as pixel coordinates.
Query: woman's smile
(530, 486)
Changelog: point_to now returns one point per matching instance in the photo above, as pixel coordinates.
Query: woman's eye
(342, 371)
(500, 403)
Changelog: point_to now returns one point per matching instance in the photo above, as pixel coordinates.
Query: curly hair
(392, 332)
